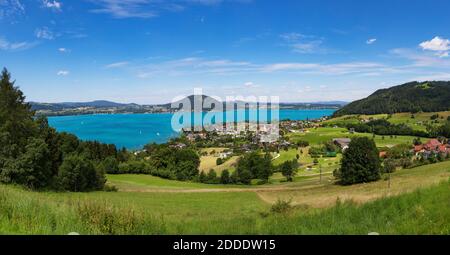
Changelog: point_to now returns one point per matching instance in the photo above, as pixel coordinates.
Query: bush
(302, 144)
(281, 206)
(110, 188)
(211, 178)
(389, 166)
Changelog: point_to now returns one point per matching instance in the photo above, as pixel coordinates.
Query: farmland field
(320, 135)
(417, 121)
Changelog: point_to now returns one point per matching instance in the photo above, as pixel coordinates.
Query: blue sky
(149, 51)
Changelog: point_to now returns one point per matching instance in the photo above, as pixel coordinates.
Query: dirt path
(213, 190)
(306, 184)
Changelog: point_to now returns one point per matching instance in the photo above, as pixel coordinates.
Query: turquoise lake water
(133, 131)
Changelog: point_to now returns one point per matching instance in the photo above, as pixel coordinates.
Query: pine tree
(16, 117)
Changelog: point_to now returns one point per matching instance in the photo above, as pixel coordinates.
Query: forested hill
(410, 97)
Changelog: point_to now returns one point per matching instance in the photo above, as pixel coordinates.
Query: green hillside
(410, 97)
(416, 203)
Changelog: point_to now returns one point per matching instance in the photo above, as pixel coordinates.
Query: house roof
(342, 140)
(432, 144)
(418, 148)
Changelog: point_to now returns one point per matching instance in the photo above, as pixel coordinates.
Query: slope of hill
(410, 97)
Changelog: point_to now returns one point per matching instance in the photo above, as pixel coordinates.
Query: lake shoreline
(134, 130)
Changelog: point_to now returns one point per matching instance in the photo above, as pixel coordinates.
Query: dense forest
(410, 97)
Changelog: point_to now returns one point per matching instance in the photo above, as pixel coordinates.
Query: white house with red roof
(433, 146)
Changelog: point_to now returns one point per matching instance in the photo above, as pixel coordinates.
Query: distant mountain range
(103, 106)
(70, 105)
(429, 96)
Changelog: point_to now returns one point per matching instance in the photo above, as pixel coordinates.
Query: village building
(343, 143)
(432, 147)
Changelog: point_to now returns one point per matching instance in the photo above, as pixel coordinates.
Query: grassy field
(209, 161)
(316, 136)
(317, 208)
(323, 195)
(417, 123)
(140, 183)
(306, 162)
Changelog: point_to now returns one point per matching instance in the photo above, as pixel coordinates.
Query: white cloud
(63, 73)
(194, 66)
(421, 59)
(251, 84)
(148, 8)
(436, 44)
(442, 54)
(371, 41)
(63, 50)
(201, 66)
(307, 47)
(440, 45)
(10, 9)
(55, 5)
(44, 33)
(116, 65)
(292, 37)
(15, 46)
(304, 44)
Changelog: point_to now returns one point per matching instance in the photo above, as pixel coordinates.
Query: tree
(110, 165)
(399, 151)
(202, 177)
(234, 178)
(225, 177)
(53, 141)
(360, 162)
(185, 170)
(78, 174)
(444, 130)
(32, 168)
(254, 166)
(212, 176)
(16, 117)
(389, 166)
(244, 176)
(289, 169)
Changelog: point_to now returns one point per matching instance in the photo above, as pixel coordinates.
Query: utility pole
(320, 169)
(389, 181)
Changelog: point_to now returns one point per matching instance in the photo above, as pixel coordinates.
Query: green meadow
(320, 135)
(423, 208)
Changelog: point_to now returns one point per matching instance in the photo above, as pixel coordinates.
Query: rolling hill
(413, 97)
